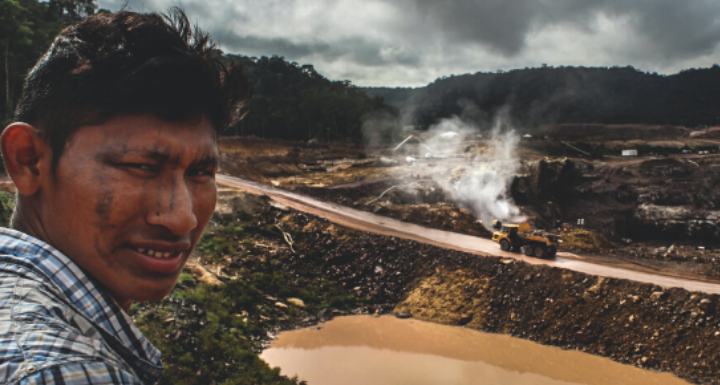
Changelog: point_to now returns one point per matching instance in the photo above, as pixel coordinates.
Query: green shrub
(186, 279)
(213, 334)
(221, 240)
(7, 205)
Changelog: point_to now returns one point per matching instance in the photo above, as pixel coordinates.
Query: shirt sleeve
(79, 373)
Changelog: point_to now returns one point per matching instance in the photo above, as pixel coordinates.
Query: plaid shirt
(58, 327)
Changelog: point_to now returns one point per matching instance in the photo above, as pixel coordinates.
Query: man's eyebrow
(160, 156)
(207, 160)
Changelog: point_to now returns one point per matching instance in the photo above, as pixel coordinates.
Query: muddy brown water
(389, 351)
(365, 221)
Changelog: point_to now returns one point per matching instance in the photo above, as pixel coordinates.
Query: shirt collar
(87, 297)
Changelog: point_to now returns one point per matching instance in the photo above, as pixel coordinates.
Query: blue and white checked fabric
(57, 326)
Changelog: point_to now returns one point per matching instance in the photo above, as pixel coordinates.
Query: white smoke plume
(478, 181)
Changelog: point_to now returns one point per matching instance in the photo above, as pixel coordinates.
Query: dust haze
(447, 153)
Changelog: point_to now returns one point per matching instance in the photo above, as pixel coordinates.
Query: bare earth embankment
(265, 267)
(639, 324)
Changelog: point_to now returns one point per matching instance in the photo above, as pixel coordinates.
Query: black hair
(114, 64)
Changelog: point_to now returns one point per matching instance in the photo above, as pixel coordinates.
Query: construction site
(406, 229)
(408, 192)
(657, 209)
(604, 245)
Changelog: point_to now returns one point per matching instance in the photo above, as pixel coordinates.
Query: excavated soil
(639, 324)
(264, 159)
(630, 207)
(639, 205)
(425, 205)
(669, 330)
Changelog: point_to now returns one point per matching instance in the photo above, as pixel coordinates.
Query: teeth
(156, 254)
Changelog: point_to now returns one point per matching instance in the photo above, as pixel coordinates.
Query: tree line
(532, 97)
(289, 101)
(294, 102)
(26, 29)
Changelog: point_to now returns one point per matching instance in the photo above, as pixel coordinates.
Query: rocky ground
(655, 211)
(631, 208)
(268, 268)
(262, 267)
(413, 200)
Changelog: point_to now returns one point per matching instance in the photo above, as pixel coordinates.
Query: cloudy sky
(413, 42)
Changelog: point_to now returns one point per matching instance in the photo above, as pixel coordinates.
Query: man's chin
(146, 291)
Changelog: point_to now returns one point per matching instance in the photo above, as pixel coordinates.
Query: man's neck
(27, 220)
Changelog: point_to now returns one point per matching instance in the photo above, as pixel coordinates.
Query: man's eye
(143, 166)
(200, 172)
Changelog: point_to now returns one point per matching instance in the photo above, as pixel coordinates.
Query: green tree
(294, 102)
(15, 31)
(27, 28)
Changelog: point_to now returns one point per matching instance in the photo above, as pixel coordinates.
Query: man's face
(130, 199)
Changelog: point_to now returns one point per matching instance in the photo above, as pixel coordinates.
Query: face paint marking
(104, 204)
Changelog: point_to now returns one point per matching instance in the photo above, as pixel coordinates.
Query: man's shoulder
(77, 373)
(41, 334)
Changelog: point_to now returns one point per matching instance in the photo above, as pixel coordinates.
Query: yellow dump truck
(515, 237)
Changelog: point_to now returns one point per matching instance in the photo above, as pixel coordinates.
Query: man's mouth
(159, 257)
(158, 254)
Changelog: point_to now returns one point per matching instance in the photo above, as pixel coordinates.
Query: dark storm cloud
(357, 50)
(676, 28)
(257, 45)
(499, 24)
(412, 42)
(370, 53)
(201, 11)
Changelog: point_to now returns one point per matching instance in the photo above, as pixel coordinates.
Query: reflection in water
(389, 351)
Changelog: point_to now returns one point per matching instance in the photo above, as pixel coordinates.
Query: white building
(629, 152)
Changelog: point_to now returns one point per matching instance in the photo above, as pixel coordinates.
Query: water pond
(389, 351)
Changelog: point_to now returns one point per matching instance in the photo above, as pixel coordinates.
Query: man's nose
(174, 207)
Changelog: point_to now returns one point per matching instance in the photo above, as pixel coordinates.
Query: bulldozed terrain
(658, 210)
(263, 267)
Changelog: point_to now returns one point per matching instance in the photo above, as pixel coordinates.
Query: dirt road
(376, 224)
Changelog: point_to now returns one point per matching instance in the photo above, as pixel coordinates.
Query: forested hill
(289, 101)
(294, 102)
(549, 95)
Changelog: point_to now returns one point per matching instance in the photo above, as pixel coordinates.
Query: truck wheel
(541, 251)
(529, 250)
(505, 245)
(551, 252)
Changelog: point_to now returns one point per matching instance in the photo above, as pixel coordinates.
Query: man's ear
(25, 155)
